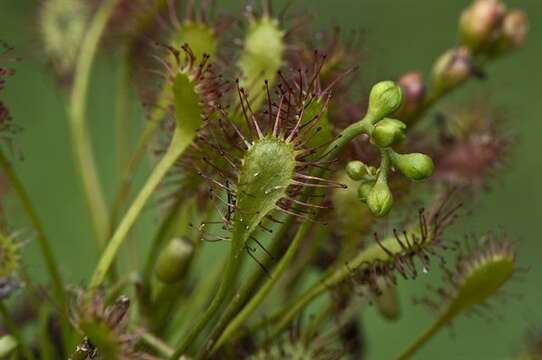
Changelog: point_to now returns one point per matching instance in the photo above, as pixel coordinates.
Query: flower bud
(384, 99)
(415, 166)
(452, 69)
(387, 300)
(479, 24)
(413, 94)
(380, 199)
(356, 170)
(388, 132)
(364, 190)
(173, 260)
(515, 27)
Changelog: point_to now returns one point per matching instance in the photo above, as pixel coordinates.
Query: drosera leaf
(200, 37)
(188, 117)
(188, 109)
(266, 172)
(393, 254)
(202, 41)
(482, 280)
(262, 57)
(478, 275)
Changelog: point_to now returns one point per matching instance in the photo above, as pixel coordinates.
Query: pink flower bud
(413, 94)
(480, 24)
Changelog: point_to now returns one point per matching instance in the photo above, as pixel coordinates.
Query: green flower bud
(515, 27)
(415, 166)
(364, 190)
(385, 98)
(356, 170)
(388, 132)
(173, 260)
(380, 199)
(387, 301)
(452, 69)
(479, 24)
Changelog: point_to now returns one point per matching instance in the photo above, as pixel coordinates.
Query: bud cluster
(386, 98)
(487, 27)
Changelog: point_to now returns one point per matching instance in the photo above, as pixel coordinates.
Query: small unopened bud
(387, 300)
(173, 260)
(480, 23)
(380, 199)
(515, 27)
(388, 132)
(452, 69)
(364, 190)
(415, 166)
(356, 170)
(385, 98)
(413, 94)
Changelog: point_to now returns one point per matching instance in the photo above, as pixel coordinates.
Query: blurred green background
(399, 36)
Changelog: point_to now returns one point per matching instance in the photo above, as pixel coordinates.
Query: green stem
(14, 330)
(364, 126)
(156, 344)
(178, 144)
(46, 347)
(384, 164)
(252, 282)
(202, 293)
(80, 138)
(316, 324)
(131, 166)
(426, 336)
(226, 287)
(265, 289)
(43, 241)
(151, 13)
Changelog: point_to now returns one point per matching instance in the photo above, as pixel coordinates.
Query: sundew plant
(321, 196)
